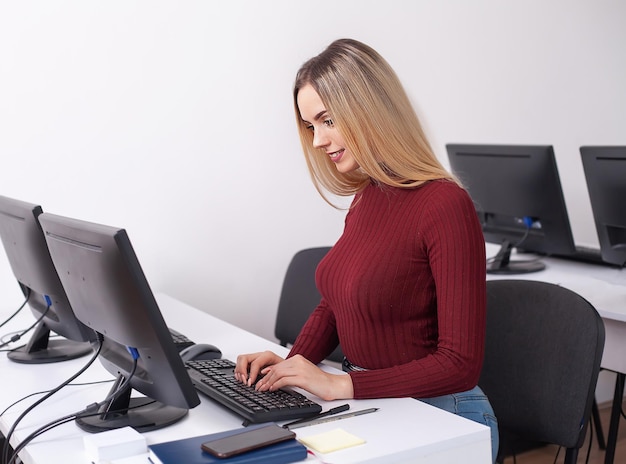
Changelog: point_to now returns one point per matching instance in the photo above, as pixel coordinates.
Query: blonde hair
(372, 112)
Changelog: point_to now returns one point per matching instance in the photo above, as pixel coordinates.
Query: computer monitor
(605, 172)
(110, 294)
(517, 194)
(32, 266)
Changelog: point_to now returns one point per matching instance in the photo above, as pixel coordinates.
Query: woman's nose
(320, 140)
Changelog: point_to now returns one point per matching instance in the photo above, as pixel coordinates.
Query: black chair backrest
(543, 350)
(299, 297)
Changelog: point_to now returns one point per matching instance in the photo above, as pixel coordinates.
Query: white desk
(403, 430)
(605, 288)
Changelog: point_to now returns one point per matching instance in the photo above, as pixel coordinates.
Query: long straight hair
(371, 110)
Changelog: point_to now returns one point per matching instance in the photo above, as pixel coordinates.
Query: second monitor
(517, 193)
(605, 172)
(30, 261)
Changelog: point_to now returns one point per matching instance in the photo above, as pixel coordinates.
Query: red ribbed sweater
(403, 290)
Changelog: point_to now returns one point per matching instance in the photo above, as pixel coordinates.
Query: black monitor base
(56, 351)
(144, 415)
(120, 410)
(517, 267)
(502, 264)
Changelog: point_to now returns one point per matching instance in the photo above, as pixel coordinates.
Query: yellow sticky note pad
(333, 440)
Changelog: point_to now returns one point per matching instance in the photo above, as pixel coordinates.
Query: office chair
(299, 297)
(543, 350)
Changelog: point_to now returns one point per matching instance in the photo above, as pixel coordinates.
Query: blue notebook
(188, 451)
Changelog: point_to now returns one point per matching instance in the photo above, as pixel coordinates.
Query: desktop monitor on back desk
(110, 294)
(605, 172)
(517, 194)
(32, 266)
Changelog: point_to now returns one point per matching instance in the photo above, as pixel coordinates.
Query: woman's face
(325, 135)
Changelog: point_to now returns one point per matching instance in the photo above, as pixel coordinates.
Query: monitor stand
(141, 413)
(502, 264)
(41, 350)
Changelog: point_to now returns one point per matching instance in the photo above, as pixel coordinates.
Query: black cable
(47, 391)
(70, 417)
(15, 338)
(18, 309)
(515, 245)
(3, 339)
(48, 395)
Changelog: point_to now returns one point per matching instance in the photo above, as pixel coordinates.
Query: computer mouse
(200, 351)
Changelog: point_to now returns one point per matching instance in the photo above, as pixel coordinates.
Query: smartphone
(247, 441)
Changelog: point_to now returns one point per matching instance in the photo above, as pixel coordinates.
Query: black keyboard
(180, 341)
(215, 378)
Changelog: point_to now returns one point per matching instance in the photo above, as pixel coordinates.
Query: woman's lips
(336, 155)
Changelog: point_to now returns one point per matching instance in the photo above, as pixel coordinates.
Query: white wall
(174, 120)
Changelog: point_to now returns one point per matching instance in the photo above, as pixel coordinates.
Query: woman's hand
(249, 365)
(297, 371)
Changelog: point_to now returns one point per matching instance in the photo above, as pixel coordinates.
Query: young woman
(403, 289)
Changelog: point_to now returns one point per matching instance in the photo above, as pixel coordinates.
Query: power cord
(97, 382)
(90, 410)
(18, 309)
(17, 336)
(5, 451)
(528, 222)
(65, 420)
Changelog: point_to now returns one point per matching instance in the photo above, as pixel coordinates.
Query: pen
(330, 412)
(321, 420)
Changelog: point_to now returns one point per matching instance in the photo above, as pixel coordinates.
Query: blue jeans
(471, 404)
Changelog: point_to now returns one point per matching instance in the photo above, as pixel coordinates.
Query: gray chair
(543, 350)
(299, 297)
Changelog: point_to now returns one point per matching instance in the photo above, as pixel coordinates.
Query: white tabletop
(603, 286)
(403, 430)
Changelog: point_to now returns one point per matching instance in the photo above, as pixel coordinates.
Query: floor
(547, 454)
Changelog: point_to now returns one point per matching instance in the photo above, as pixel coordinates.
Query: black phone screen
(247, 441)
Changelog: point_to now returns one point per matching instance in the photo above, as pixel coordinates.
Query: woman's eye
(310, 127)
(329, 122)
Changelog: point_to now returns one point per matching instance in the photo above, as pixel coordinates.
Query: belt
(347, 366)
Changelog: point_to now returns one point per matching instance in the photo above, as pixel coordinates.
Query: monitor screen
(110, 294)
(30, 261)
(605, 171)
(517, 194)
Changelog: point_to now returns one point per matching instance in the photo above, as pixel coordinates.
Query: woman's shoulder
(430, 194)
(438, 198)
(443, 185)
(442, 188)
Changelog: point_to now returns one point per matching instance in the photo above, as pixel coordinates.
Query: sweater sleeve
(318, 337)
(452, 237)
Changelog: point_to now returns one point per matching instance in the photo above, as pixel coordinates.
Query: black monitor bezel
(607, 191)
